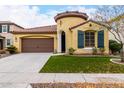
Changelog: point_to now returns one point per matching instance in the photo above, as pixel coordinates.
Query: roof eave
(87, 22)
(33, 32)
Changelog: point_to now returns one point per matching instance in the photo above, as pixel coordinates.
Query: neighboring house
(73, 30)
(6, 38)
(119, 22)
(119, 19)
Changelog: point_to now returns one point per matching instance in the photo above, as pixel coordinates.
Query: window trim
(7, 42)
(6, 28)
(89, 48)
(85, 40)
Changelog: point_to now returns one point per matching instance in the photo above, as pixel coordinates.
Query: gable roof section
(10, 23)
(43, 29)
(99, 23)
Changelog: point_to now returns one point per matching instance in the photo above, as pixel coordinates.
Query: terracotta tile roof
(10, 23)
(100, 23)
(2, 22)
(71, 14)
(42, 29)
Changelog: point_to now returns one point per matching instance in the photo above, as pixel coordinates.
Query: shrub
(94, 51)
(12, 49)
(102, 50)
(71, 51)
(114, 46)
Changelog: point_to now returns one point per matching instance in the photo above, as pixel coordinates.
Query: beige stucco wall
(10, 35)
(64, 24)
(111, 36)
(71, 35)
(15, 28)
(95, 28)
(17, 39)
(7, 36)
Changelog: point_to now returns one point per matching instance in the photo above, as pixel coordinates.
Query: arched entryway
(63, 44)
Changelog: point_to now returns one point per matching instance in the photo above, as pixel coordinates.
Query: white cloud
(27, 16)
(89, 11)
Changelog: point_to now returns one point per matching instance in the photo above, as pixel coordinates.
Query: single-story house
(73, 30)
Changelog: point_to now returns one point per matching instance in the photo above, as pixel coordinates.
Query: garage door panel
(37, 45)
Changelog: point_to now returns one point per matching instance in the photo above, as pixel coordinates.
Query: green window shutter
(80, 39)
(0, 28)
(101, 39)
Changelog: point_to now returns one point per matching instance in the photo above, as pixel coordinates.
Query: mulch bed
(77, 85)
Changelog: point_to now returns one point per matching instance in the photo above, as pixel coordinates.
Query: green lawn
(73, 64)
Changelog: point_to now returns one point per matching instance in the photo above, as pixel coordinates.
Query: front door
(1, 43)
(63, 42)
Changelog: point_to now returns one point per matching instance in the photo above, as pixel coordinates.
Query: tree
(113, 16)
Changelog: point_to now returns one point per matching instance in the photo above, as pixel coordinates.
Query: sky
(33, 16)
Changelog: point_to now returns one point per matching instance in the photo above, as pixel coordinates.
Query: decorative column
(59, 42)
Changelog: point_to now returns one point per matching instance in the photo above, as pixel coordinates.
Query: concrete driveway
(17, 71)
(24, 62)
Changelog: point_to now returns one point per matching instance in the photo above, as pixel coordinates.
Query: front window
(4, 28)
(89, 39)
(8, 42)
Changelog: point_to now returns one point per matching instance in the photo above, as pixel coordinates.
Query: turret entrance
(63, 48)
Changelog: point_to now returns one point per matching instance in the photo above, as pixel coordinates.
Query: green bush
(95, 51)
(71, 51)
(12, 49)
(114, 46)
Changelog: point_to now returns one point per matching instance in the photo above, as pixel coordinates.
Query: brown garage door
(37, 45)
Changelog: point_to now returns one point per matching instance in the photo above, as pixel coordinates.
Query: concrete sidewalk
(24, 79)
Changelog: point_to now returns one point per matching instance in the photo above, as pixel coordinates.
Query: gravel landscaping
(78, 85)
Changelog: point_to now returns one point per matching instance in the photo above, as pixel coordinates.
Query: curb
(112, 60)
